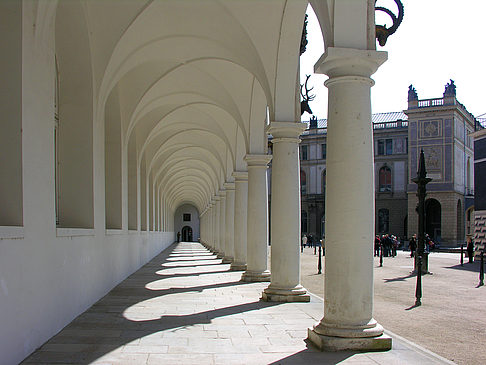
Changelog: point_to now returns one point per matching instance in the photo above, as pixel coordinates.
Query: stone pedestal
(257, 219)
(240, 218)
(348, 311)
(285, 284)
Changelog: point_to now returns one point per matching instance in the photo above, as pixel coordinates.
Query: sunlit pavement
(185, 307)
(452, 318)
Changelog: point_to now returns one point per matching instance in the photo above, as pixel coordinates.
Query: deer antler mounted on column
(382, 32)
(304, 104)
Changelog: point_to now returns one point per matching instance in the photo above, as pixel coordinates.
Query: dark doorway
(433, 219)
(187, 234)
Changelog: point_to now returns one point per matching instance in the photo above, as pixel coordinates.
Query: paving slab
(186, 307)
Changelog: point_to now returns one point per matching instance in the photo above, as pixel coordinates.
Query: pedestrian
(304, 240)
(310, 241)
(412, 245)
(377, 245)
(394, 246)
(178, 236)
(470, 249)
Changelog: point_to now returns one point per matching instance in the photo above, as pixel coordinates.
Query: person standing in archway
(178, 237)
(470, 249)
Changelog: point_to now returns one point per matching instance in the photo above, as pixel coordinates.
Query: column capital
(222, 193)
(337, 62)
(240, 175)
(286, 131)
(256, 160)
(229, 186)
(216, 198)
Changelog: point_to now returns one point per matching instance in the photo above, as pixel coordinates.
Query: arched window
(324, 183)
(385, 179)
(303, 221)
(383, 220)
(303, 183)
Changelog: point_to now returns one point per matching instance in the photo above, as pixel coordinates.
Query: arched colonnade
(171, 103)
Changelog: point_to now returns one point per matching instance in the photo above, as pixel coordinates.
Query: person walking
(412, 245)
(304, 240)
(377, 245)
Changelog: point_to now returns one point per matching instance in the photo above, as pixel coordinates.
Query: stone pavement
(185, 307)
(452, 318)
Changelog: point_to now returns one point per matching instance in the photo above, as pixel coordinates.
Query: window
(383, 220)
(303, 183)
(389, 147)
(186, 217)
(323, 150)
(385, 146)
(385, 179)
(303, 150)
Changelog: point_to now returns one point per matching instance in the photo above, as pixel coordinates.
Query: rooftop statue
(450, 89)
(412, 93)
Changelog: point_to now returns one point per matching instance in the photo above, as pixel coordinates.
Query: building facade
(442, 127)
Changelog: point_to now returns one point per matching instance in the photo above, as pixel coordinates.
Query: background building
(442, 127)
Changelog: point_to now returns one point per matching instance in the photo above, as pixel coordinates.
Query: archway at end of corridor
(186, 223)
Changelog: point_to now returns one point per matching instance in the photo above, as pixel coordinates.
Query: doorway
(187, 234)
(433, 219)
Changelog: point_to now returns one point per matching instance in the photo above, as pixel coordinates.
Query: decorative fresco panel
(433, 158)
(431, 128)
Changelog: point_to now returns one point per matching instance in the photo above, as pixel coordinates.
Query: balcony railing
(430, 102)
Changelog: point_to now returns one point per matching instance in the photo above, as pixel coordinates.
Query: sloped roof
(375, 118)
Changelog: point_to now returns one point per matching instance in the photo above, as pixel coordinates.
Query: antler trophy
(304, 104)
(382, 32)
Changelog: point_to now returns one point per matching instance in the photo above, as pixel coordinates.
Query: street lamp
(421, 180)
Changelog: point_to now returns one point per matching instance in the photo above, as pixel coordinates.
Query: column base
(227, 260)
(255, 276)
(297, 294)
(237, 266)
(331, 343)
(219, 255)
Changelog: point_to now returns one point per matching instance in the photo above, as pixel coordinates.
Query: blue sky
(438, 40)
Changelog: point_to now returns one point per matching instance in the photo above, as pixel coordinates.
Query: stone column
(285, 284)
(348, 310)
(241, 212)
(229, 249)
(211, 226)
(257, 219)
(217, 247)
(222, 223)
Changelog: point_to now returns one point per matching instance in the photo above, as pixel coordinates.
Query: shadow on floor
(104, 327)
(313, 356)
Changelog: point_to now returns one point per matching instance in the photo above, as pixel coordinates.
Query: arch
(74, 130)
(385, 179)
(433, 219)
(303, 221)
(186, 234)
(11, 185)
(470, 221)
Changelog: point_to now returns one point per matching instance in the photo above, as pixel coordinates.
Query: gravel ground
(452, 319)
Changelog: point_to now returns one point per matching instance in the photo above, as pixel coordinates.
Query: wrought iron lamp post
(421, 180)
